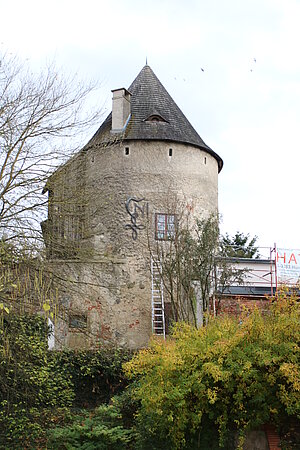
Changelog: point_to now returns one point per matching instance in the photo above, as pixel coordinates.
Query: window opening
(170, 152)
(155, 118)
(77, 321)
(165, 226)
(126, 151)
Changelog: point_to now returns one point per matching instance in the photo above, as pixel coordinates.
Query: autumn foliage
(229, 377)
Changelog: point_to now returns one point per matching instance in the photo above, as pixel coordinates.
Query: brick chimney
(120, 109)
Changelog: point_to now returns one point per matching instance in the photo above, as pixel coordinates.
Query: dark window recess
(204, 159)
(126, 151)
(77, 321)
(155, 118)
(170, 152)
(165, 226)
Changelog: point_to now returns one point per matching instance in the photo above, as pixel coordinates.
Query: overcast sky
(245, 103)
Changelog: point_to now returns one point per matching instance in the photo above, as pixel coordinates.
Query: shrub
(231, 375)
(33, 392)
(37, 386)
(95, 430)
(96, 375)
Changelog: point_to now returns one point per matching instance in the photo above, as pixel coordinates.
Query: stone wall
(107, 288)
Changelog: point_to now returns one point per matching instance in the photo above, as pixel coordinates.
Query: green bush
(101, 429)
(228, 377)
(34, 393)
(96, 375)
(38, 387)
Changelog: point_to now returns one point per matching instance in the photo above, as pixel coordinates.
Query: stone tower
(117, 194)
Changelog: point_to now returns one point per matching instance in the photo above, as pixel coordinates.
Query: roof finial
(146, 61)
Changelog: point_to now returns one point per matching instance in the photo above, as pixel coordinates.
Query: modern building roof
(154, 116)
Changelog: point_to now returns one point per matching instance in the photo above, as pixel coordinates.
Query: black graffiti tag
(135, 209)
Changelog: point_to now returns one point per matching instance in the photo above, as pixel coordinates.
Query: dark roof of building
(149, 98)
(248, 291)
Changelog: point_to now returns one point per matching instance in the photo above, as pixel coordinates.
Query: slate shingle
(149, 97)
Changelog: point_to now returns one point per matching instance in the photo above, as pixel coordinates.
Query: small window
(156, 118)
(126, 151)
(165, 226)
(204, 159)
(170, 152)
(77, 322)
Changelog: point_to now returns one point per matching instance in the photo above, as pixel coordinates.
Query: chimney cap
(122, 89)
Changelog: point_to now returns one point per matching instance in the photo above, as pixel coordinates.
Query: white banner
(288, 266)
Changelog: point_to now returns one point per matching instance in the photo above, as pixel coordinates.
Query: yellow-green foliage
(232, 374)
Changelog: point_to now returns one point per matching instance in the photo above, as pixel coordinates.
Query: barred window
(165, 226)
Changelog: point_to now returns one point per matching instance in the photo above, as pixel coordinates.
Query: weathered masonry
(118, 194)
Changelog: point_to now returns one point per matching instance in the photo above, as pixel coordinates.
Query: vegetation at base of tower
(34, 392)
(197, 389)
(194, 268)
(239, 246)
(230, 375)
(39, 388)
(100, 429)
(96, 375)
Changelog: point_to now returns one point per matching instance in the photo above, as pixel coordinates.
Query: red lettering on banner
(292, 258)
(281, 257)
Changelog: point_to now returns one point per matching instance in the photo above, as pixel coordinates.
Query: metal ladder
(158, 310)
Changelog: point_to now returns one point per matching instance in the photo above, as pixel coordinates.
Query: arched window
(155, 118)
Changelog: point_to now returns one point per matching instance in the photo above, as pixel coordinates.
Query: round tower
(144, 163)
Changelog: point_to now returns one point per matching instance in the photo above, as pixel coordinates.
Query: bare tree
(36, 113)
(193, 268)
(43, 118)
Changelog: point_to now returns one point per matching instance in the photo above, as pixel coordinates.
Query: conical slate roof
(150, 99)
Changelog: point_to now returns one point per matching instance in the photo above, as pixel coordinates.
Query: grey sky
(247, 111)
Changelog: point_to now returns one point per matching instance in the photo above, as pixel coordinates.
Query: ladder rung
(158, 317)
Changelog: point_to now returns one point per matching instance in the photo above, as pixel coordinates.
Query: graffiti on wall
(137, 208)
